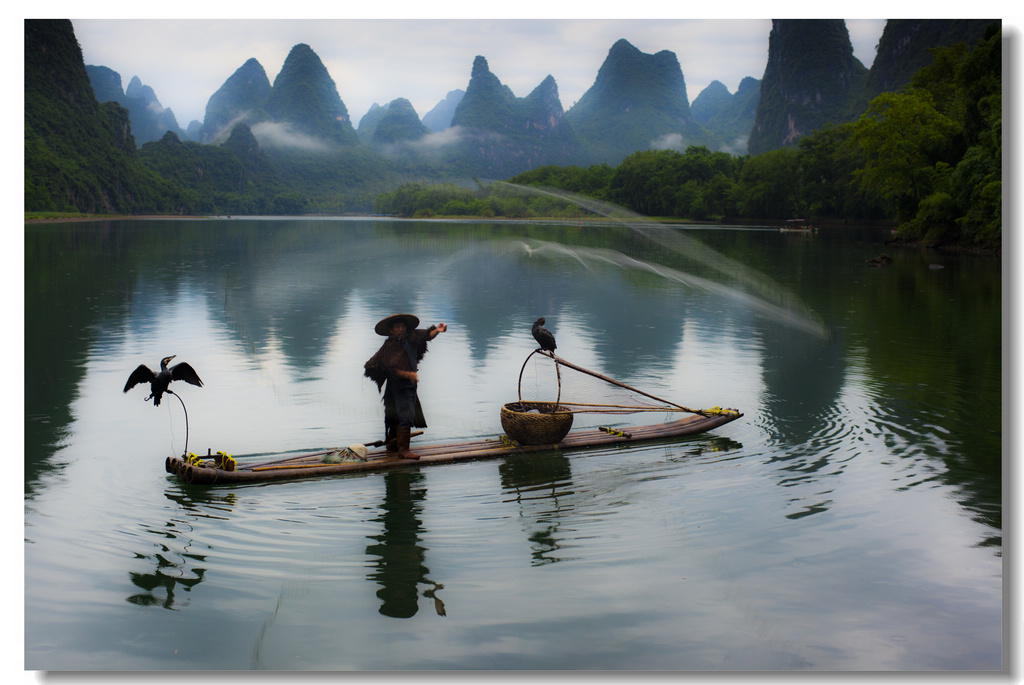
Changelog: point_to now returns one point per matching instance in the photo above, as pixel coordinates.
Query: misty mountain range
(296, 135)
(638, 101)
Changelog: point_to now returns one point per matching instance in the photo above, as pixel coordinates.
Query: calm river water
(852, 519)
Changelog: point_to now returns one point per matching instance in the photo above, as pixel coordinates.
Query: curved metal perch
(558, 373)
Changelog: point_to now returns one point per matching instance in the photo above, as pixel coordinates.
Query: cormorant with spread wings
(158, 382)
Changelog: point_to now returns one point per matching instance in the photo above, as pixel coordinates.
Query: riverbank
(61, 217)
(948, 247)
(58, 217)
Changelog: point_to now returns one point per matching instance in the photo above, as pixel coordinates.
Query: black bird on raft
(543, 335)
(158, 382)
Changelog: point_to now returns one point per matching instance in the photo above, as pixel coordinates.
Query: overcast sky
(376, 61)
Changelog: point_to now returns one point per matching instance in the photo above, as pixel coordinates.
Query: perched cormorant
(158, 382)
(543, 335)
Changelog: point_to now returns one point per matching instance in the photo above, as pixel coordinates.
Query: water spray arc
(756, 290)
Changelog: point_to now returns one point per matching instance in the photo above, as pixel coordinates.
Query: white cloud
(281, 135)
(737, 146)
(435, 141)
(669, 141)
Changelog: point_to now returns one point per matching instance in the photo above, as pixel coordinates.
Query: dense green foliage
(813, 79)
(449, 200)
(697, 184)
(932, 153)
(235, 178)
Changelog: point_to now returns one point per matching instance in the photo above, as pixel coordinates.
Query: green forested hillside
(905, 46)
(812, 79)
(500, 134)
(399, 122)
(79, 155)
(304, 95)
(932, 153)
(637, 101)
(488, 104)
(241, 99)
(710, 102)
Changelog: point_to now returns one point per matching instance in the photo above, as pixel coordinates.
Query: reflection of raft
(312, 465)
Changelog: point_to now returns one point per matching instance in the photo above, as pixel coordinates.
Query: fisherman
(394, 368)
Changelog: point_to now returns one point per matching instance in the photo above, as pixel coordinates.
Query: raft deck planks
(312, 466)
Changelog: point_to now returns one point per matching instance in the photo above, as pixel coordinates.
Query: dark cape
(392, 357)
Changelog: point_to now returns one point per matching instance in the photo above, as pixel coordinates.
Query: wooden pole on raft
(559, 360)
(306, 455)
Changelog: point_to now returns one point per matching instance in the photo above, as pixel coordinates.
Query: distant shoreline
(954, 248)
(559, 219)
(105, 217)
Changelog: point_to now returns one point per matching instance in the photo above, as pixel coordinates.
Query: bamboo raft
(219, 470)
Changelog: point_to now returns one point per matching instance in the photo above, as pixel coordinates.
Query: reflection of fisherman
(398, 567)
(395, 365)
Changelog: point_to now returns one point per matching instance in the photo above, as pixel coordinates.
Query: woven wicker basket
(541, 427)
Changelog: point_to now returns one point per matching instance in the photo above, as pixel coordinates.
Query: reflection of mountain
(63, 269)
(798, 403)
(285, 287)
(290, 286)
(502, 287)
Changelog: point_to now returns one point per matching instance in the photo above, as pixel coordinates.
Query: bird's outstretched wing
(184, 372)
(141, 374)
